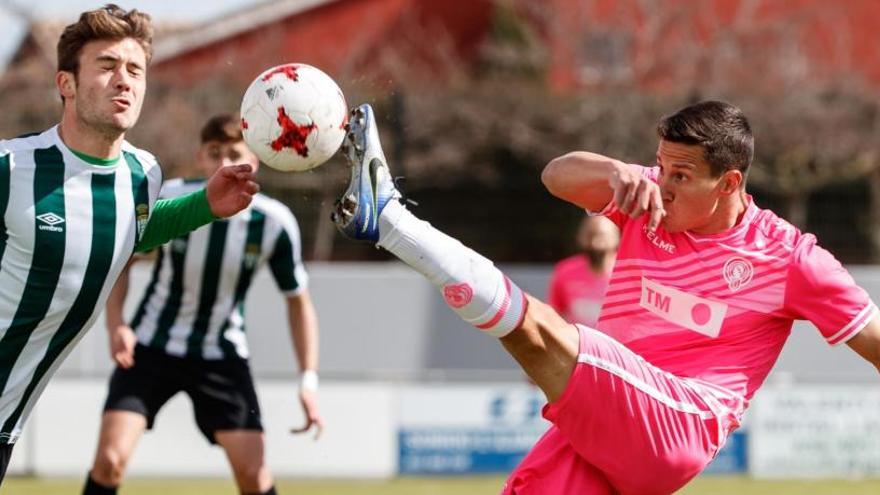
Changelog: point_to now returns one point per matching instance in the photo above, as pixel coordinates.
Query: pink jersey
(576, 291)
(719, 307)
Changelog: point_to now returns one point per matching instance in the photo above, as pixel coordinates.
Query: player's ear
(731, 181)
(66, 84)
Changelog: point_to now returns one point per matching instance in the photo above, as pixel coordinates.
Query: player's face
(214, 154)
(109, 88)
(691, 195)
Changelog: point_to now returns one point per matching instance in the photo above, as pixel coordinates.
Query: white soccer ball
(293, 117)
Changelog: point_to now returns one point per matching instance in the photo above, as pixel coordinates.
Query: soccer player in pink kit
(702, 298)
(578, 283)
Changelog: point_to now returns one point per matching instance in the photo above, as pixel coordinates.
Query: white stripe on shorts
(640, 384)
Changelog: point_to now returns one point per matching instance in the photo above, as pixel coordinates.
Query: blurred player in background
(188, 332)
(703, 296)
(578, 283)
(77, 200)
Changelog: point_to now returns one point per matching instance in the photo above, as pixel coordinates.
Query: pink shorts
(623, 426)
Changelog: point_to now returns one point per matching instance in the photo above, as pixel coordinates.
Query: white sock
(477, 291)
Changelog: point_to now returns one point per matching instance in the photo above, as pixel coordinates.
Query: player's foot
(356, 213)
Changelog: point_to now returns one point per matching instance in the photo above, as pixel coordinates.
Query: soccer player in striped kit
(77, 200)
(188, 331)
(702, 298)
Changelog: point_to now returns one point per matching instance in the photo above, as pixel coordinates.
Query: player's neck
(85, 139)
(729, 214)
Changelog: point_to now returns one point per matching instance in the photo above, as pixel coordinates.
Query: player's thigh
(224, 398)
(545, 346)
(552, 466)
(120, 432)
(649, 431)
(145, 387)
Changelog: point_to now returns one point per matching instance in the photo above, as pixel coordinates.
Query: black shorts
(5, 455)
(222, 392)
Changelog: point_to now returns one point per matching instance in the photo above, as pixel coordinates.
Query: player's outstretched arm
(592, 181)
(867, 342)
(228, 191)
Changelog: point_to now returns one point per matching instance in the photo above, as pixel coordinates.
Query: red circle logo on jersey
(458, 295)
(701, 313)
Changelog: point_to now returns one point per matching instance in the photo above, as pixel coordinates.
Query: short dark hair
(719, 127)
(110, 22)
(221, 128)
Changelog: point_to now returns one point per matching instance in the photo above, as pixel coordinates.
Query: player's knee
(109, 467)
(252, 477)
(542, 326)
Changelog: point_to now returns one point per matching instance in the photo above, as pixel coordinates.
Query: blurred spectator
(578, 283)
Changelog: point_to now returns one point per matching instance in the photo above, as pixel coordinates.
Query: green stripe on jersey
(252, 250)
(100, 260)
(48, 258)
(4, 201)
(167, 317)
(208, 297)
(281, 263)
(140, 188)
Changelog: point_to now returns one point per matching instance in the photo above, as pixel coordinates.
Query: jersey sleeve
(611, 212)
(821, 290)
(175, 217)
(285, 261)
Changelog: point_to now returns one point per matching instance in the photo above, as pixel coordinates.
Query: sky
(188, 10)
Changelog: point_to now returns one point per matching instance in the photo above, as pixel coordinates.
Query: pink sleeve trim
(854, 326)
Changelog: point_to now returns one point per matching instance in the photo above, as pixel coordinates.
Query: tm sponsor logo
(51, 222)
(698, 314)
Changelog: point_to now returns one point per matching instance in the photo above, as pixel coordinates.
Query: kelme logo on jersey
(50, 221)
(142, 213)
(657, 241)
(251, 255)
(703, 316)
(737, 273)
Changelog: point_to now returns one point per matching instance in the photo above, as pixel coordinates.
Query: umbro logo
(50, 222)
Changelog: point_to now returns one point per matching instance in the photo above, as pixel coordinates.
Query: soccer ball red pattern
(293, 117)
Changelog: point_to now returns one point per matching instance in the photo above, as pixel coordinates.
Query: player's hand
(309, 402)
(635, 195)
(122, 342)
(231, 189)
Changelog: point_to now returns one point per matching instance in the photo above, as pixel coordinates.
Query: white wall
(359, 440)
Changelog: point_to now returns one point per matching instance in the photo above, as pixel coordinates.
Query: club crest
(737, 273)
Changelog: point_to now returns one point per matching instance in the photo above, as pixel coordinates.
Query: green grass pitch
(708, 485)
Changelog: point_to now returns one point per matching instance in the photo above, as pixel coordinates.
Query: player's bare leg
(245, 450)
(542, 343)
(545, 346)
(120, 432)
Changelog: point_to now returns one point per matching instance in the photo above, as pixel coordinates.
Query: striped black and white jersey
(193, 305)
(67, 229)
